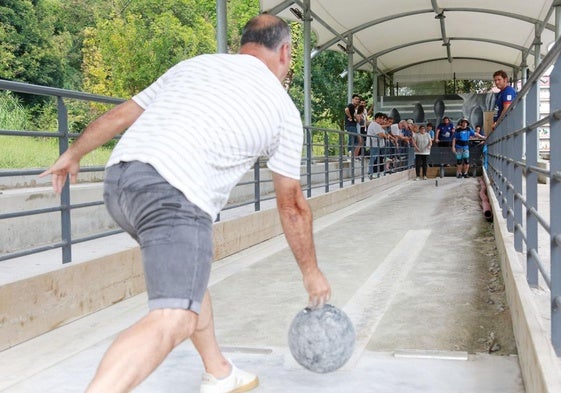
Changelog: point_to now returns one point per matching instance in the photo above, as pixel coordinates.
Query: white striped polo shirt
(204, 155)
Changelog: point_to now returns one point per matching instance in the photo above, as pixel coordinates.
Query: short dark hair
(380, 114)
(500, 73)
(267, 30)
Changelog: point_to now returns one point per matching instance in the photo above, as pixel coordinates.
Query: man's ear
(285, 53)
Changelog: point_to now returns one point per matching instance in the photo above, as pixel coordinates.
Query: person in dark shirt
(444, 132)
(460, 147)
(351, 124)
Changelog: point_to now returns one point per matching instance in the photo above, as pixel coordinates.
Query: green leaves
(128, 51)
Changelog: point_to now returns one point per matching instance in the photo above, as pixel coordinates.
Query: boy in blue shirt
(460, 147)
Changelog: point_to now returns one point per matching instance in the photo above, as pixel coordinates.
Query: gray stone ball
(321, 339)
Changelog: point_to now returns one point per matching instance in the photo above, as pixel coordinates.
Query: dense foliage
(118, 47)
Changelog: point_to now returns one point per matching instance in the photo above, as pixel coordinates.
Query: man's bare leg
(141, 348)
(205, 342)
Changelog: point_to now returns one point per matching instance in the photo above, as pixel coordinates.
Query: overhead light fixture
(297, 13)
(343, 74)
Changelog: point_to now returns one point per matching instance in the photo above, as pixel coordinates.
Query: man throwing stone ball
(165, 183)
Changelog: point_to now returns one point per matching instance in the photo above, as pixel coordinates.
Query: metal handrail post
(509, 172)
(309, 162)
(341, 152)
(555, 214)
(532, 187)
(257, 185)
(65, 217)
(326, 162)
(518, 147)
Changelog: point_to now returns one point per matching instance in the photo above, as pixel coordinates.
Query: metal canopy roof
(426, 40)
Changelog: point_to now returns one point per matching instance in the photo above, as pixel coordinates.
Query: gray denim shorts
(175, 236)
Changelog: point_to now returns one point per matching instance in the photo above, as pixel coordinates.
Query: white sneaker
(238, 381)
(417, 178)
(424, 178)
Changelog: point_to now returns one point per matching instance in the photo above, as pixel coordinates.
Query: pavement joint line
(368, 305)
(249, 350)
(431, 354)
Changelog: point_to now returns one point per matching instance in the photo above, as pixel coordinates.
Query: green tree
(239, 12)
(29, 51)
(128, 51)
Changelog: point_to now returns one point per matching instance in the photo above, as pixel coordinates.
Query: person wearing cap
(460, 147)
(444, 132)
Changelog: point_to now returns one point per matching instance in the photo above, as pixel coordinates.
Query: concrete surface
(407, 265)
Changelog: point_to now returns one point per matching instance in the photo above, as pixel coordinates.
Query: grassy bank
(33, 152)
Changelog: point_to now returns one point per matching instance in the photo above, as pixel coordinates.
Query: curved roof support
(338, 36)
(441, 17)
(386, 51)
(357, 29)
(456, 57)
(537, 45)
(279, 8)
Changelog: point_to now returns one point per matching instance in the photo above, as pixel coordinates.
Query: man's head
(446, 120)
(463, 123)
(380, 118)
(355, 99)
(267, 37)
(501, 79)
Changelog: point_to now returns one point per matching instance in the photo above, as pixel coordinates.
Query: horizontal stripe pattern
(207, 120)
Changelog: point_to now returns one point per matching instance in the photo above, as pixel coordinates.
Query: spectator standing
(430, 131)
(460, 147)
(361, 125)
(376, 141)
(422, 143)
(484, 149)
(351, 124)
(444, 132)
(504, 98)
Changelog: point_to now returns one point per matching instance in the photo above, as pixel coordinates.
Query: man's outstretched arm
(96, 134)
(296, 219)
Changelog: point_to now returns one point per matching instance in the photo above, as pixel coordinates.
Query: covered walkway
(414, 266)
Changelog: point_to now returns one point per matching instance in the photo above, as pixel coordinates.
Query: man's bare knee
(176, 325)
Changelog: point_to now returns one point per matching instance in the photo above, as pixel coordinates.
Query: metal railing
(513, 172)
(325, 167)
